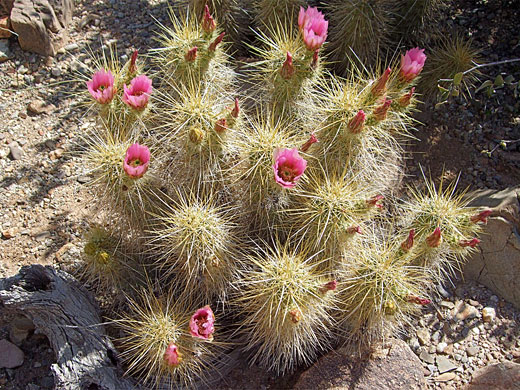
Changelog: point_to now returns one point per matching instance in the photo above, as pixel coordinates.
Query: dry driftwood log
(65, 312)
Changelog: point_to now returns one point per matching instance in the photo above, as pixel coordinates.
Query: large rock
(397, 367)
(501, 376)
(6, 6)
(497, 262)
(41, 24)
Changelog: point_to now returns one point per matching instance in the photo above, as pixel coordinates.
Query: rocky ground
(45, 206)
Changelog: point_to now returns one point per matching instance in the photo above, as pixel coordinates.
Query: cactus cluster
(273, 211)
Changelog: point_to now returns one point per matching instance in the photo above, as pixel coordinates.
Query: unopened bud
(329, 286)
(314, 62)
(191, 55)
(481, 217)
(354, 229)
(375, 201)
(221, 125)
(381, 111)
(379, 87)
(133, 63)
(434, 239)
(196, 135)
(296, 316)
(312, 140)
(408, 243)
(471, 243)
(213, 45)
(172, 356)
(287, 70)
(404, 100)
(236, 110)
(208, 23)
(418, 300)
(357, 123)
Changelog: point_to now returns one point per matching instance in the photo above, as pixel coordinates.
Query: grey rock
(441, 347)
(427, 357)
(11, 355)
(445, 364)
(5, 53)
(472, 351)
(423, 335)
(56, 72)
(497, 262)
(501, 376)
(15, 151)
(19, 329)
(71, 47)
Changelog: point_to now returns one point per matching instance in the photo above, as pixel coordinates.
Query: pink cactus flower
(481, 217)
(434, 239)
(412, 64)
(202, 323)
(379, 87)
(357, 123)
(380, 112)
(236, 109)
(405, 100)
(329, 286)
(101, 87)
(191, 55)
(213, 45)
(471, 243)
(138, 94)
(287, 70)
(354, 229)
(418, 300)
(221, 125)
(136, 161)
(172, 356)
(408, 243)
(313, 27)
(208, 23)
(312, 140)
(288, 167)
(375, 201)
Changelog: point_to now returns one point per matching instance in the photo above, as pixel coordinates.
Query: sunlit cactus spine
(167, 343)
(360, 30)
(445, 229)
(379, 291)
(197, 242)
(191, 51)
(284, 304)
(290, 67)
(329, 213)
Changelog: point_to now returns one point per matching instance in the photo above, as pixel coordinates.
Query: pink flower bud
(313, 27)
(434, 239)
(312, 140)
(404, 100)
(481, 217)
(136, 161)
(408, 243)
(471, 243)
(236, 109)
(202, 323)
(172, 356)
(375, 201)
(417, 300)
(329, 286)
(138, 94)
(412, 64)
(213, 45)
(354, 229)
(287, 70)
(221, 125)
(296, 316)
(191, 54)
(357, 123)
(101, 87)
(379, 88)
(381, 111)
(288, 167)
(132, 69)
(315, 57)
(208, 23)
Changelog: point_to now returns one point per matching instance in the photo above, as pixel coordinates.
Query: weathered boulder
(500, 376)
(497, 262)
(394, 367)
(41, 24)
(6, 6)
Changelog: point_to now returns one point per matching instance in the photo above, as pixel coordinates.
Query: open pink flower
(288, 167)
(172, 356)
(138, 94)
(101, 87)
(412, 64)
(136, 160)
(202, 323)
(313, 27)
